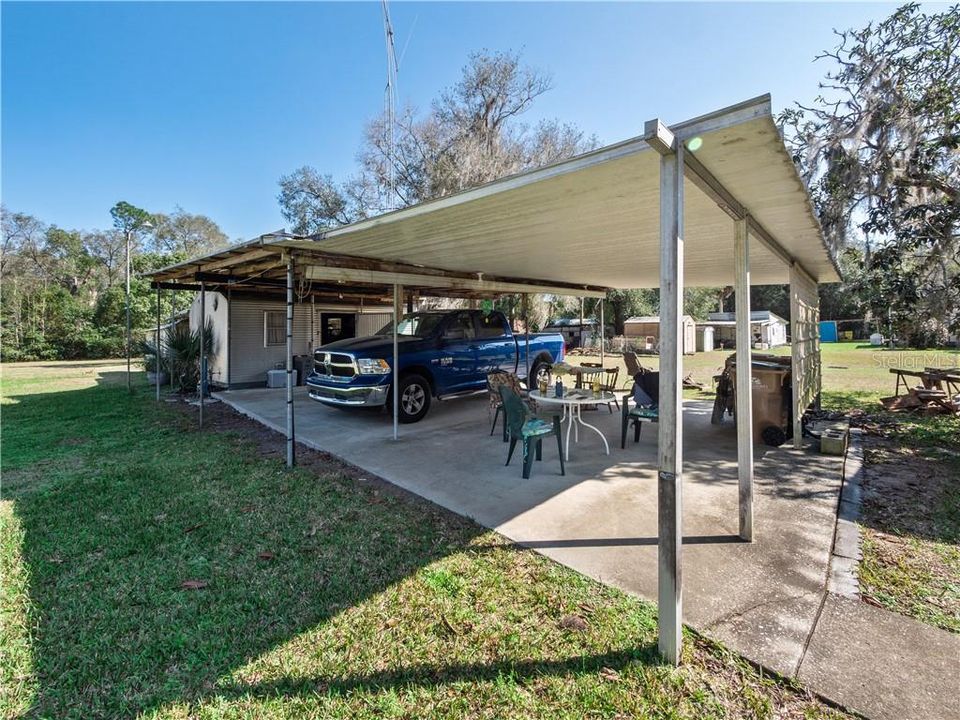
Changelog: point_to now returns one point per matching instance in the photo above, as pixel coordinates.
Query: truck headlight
(373, 366)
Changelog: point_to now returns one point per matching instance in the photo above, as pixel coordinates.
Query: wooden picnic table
(932, 379)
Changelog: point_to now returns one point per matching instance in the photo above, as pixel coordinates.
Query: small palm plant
(182, 348)
(151, 363)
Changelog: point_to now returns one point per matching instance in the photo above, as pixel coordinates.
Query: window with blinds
(274, 328)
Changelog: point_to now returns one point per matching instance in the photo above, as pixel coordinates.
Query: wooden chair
(527, 429)
(608, 383)
(579, 383)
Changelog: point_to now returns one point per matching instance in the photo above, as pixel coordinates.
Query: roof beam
(379, 277)
(238, 259)
(697, 173)
(659, 137)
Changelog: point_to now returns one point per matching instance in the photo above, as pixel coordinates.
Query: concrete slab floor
(761, 599)
(886, 666)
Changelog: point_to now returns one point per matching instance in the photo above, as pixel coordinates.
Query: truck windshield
(416, 325)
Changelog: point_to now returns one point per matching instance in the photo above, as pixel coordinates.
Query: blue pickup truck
(441, 353)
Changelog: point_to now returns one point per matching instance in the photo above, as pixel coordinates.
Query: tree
(471, 135)
(106, 247)
(129, 218)
(185, 235)
(59, 296)
(313, 202)
(879, 149)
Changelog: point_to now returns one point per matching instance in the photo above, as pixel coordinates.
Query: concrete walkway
(762, 599)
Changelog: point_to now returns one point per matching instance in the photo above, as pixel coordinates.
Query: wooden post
(397, 313)
(603, 332)
(173, 326)
(158, 355)
(127, 304)
(670, 444)
(291, 457)
(582, 334)
(526, 341)
(744, 403)
(203, 345)
(313, 326)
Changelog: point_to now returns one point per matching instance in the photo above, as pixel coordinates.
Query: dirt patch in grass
(911, 530)
(16, 482)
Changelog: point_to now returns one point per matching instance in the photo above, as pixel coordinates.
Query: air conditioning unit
(278, 378)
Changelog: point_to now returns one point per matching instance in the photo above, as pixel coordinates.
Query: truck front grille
(335, 365)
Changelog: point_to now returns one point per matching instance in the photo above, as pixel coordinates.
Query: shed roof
(762, 317)
(652, 319)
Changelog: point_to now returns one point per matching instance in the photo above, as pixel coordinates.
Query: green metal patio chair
(494, 381)
(524, 427)
(638, 414)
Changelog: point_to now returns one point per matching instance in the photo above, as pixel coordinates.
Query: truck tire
(415, 397)
(538, 368)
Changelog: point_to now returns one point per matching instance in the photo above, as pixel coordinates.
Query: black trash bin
(303, 364)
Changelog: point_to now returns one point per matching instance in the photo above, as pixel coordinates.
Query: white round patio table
(572, 403)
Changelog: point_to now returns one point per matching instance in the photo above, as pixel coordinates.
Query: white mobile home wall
(239, 357)
(249, 358)
(218, 316)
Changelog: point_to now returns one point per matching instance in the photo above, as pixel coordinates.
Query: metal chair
(524, 427)
(495, 380)
(649, 383)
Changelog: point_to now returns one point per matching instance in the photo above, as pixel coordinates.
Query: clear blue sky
(205, 105)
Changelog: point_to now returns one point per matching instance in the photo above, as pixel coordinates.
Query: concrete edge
(846, 553)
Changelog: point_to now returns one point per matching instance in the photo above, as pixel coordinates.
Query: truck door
(456, 367)
(496, 347)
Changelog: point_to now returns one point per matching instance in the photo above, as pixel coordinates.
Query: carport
(712, 201)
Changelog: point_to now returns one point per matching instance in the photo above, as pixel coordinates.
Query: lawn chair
(495, 380)
(524, 427)
(645, 395)
(633, 365)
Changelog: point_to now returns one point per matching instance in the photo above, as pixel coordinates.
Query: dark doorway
(337, 326)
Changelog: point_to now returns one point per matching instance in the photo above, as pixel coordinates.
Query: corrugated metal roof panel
(595, 219)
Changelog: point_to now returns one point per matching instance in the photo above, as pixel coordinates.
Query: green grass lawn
(148, 569)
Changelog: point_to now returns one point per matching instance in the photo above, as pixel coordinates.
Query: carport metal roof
(585, 224)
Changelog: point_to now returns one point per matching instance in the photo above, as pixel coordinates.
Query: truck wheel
(414, 398)
(540, 370)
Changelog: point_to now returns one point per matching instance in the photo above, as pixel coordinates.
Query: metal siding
(251, 359)
(370, 323)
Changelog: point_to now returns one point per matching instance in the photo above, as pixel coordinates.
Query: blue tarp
(828, 331)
